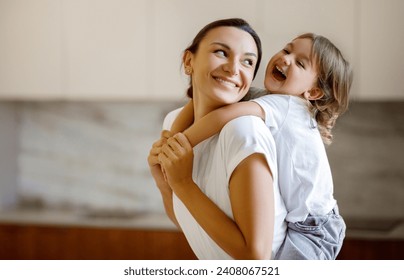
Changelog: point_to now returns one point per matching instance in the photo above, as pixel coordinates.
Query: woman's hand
(154, 163)
(176, 158)
(158, 175)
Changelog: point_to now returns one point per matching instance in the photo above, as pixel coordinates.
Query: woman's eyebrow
(228, 48)
(221, 44)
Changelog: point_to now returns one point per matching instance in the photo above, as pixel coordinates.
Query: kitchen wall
(131, 49)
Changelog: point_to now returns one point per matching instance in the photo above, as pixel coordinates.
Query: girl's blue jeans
(317, 238)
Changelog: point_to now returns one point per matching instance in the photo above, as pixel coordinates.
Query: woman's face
(223, 66)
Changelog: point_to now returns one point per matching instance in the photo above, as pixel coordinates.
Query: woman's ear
(313, 94)
(187, 61)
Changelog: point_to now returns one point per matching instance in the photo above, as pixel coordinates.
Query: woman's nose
(232, 67)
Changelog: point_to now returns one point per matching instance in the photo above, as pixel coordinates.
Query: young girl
(307, 87)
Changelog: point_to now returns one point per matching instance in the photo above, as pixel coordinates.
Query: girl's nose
(286, 59)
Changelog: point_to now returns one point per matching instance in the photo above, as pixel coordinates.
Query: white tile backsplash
(89, 155)
(8, 154)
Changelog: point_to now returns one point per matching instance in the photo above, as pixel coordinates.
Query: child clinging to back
(307, 85)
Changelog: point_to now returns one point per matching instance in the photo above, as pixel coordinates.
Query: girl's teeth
(280, 70)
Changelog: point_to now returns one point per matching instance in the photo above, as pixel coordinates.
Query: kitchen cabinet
(76, 50)
(131, 50)
(30, 49)
(51, 242)
(36, 242)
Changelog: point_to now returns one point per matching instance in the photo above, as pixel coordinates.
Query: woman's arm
(159, 178)
(184, 119)
(250, 234)
(213, 122)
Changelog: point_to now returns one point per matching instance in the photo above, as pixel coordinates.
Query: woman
(223, 194)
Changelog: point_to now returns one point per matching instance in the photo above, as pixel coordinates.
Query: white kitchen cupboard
(131, 49)
(379, 50)
(75, 50)
(108, 49)
(30, 49)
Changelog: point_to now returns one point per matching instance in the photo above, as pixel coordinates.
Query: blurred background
(85, 85)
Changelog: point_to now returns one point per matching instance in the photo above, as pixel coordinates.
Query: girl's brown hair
(334, 79)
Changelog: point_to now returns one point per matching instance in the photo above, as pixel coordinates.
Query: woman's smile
(226, 82)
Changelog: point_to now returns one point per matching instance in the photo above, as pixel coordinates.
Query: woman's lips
(226, 82)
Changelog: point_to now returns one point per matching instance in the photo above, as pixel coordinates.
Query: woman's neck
(202, 107)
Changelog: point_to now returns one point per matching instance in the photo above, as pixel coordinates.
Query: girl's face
(293, 70)
(223, 67)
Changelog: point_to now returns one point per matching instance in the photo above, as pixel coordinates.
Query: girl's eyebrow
(302, 56)
(228, 48)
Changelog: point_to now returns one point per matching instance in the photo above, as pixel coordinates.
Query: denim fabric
(317, 238)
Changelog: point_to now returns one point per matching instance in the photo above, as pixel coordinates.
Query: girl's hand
(176, 158)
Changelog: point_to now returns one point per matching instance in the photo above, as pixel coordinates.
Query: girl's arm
(250, 234)
(184, 119)
(213, 122)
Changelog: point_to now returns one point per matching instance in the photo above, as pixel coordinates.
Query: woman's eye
(220, 53)
(248, 62)
(286, 51)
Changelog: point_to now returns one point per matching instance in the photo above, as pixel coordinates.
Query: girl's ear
(313, 94)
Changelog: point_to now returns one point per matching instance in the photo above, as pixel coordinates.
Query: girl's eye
(300, 64)
(286, 51)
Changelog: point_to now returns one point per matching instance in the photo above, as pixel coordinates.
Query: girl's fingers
(182, 140)
(166, 134)
(159, 143)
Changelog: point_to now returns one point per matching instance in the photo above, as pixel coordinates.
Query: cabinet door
(380, 53)
(108, 49)
(30, 49)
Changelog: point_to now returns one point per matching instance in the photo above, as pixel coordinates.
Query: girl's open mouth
(278, 74)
